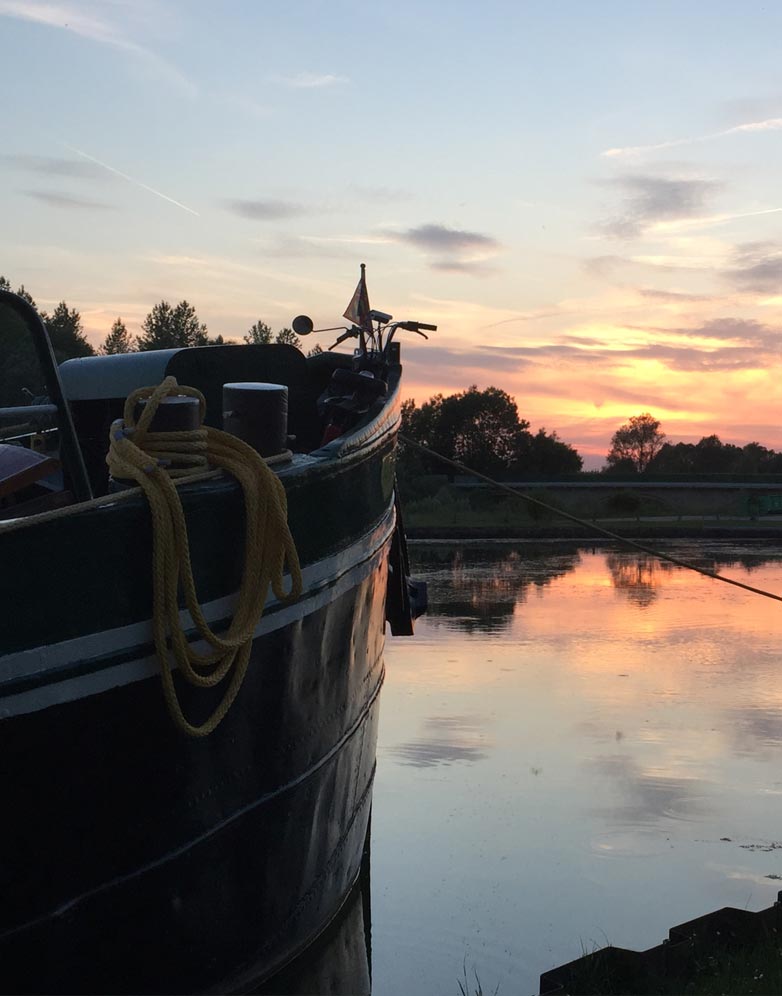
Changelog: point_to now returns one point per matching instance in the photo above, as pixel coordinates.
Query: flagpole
(362, 338)
(358, 312)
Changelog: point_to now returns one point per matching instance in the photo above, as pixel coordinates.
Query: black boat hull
(177, 865)
(134, 858)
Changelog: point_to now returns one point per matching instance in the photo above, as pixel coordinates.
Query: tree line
(165, 327)
(483, 430)
(640, 447)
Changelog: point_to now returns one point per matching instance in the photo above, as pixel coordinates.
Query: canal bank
(649, 528)
(438, 508)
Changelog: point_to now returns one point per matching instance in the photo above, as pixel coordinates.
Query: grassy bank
(450, 512)
(628, 528)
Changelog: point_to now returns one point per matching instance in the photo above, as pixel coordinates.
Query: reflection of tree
(718, 560)
(477, 588)
(640, 575)
(637, 575)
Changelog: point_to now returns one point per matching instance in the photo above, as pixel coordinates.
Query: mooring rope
(137, 454)
(586, 523)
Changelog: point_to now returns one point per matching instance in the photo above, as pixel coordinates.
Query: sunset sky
(584, 197)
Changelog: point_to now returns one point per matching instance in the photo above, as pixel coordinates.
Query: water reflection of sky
(564, 745)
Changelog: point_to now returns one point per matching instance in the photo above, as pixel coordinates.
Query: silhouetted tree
(166, 327)
(637, 441)
(316, 349)
(478, 428)
(288, 337)
(118, 340)
(4, 284)
(66, 334)
(711, 456)
(673, 458)
(259, 334)
(23, 292)
(757, 459)
(546, 455)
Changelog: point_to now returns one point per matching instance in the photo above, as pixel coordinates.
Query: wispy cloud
(267, 210)
(458, 250)
(633, 151)
(80, 19)
(67, 201)
(655, 294)
(440, 238)
(54, 167)
(361, 240)
(310, 81)
(725, 344)
(477, 269)
(739, 330)
(649, 200)
(757, 268)
(130, 179)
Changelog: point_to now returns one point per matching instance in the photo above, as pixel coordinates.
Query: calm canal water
(579, 746)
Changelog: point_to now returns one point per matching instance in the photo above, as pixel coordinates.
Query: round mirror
(302, 325)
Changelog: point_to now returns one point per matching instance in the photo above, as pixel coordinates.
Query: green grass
(443, 505)
(504, 515)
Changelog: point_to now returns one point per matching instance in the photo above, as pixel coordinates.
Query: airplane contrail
(770, 124)
(130, 179)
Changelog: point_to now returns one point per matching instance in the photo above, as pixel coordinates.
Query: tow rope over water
(151, 459)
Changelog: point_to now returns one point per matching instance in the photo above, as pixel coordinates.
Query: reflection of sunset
(643, 635)
(573, 728)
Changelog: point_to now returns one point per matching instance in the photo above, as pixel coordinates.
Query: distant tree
(478, 428)
(66, 333)
(545, 455)
(259, 334)
(316, 349)
(620, 468)
(166, 327)
(118, 340)
(757, 459)
(483, 430)
(216, 340)
(24, 293)
(711, 456)
(4, 284)
(637, 442)
(288, 337)
(673, 458)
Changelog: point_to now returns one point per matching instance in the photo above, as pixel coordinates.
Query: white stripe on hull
(324, 582)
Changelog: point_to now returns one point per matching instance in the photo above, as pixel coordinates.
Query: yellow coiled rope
(140, 455)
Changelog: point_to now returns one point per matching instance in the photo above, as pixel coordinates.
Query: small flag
(358, 309)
